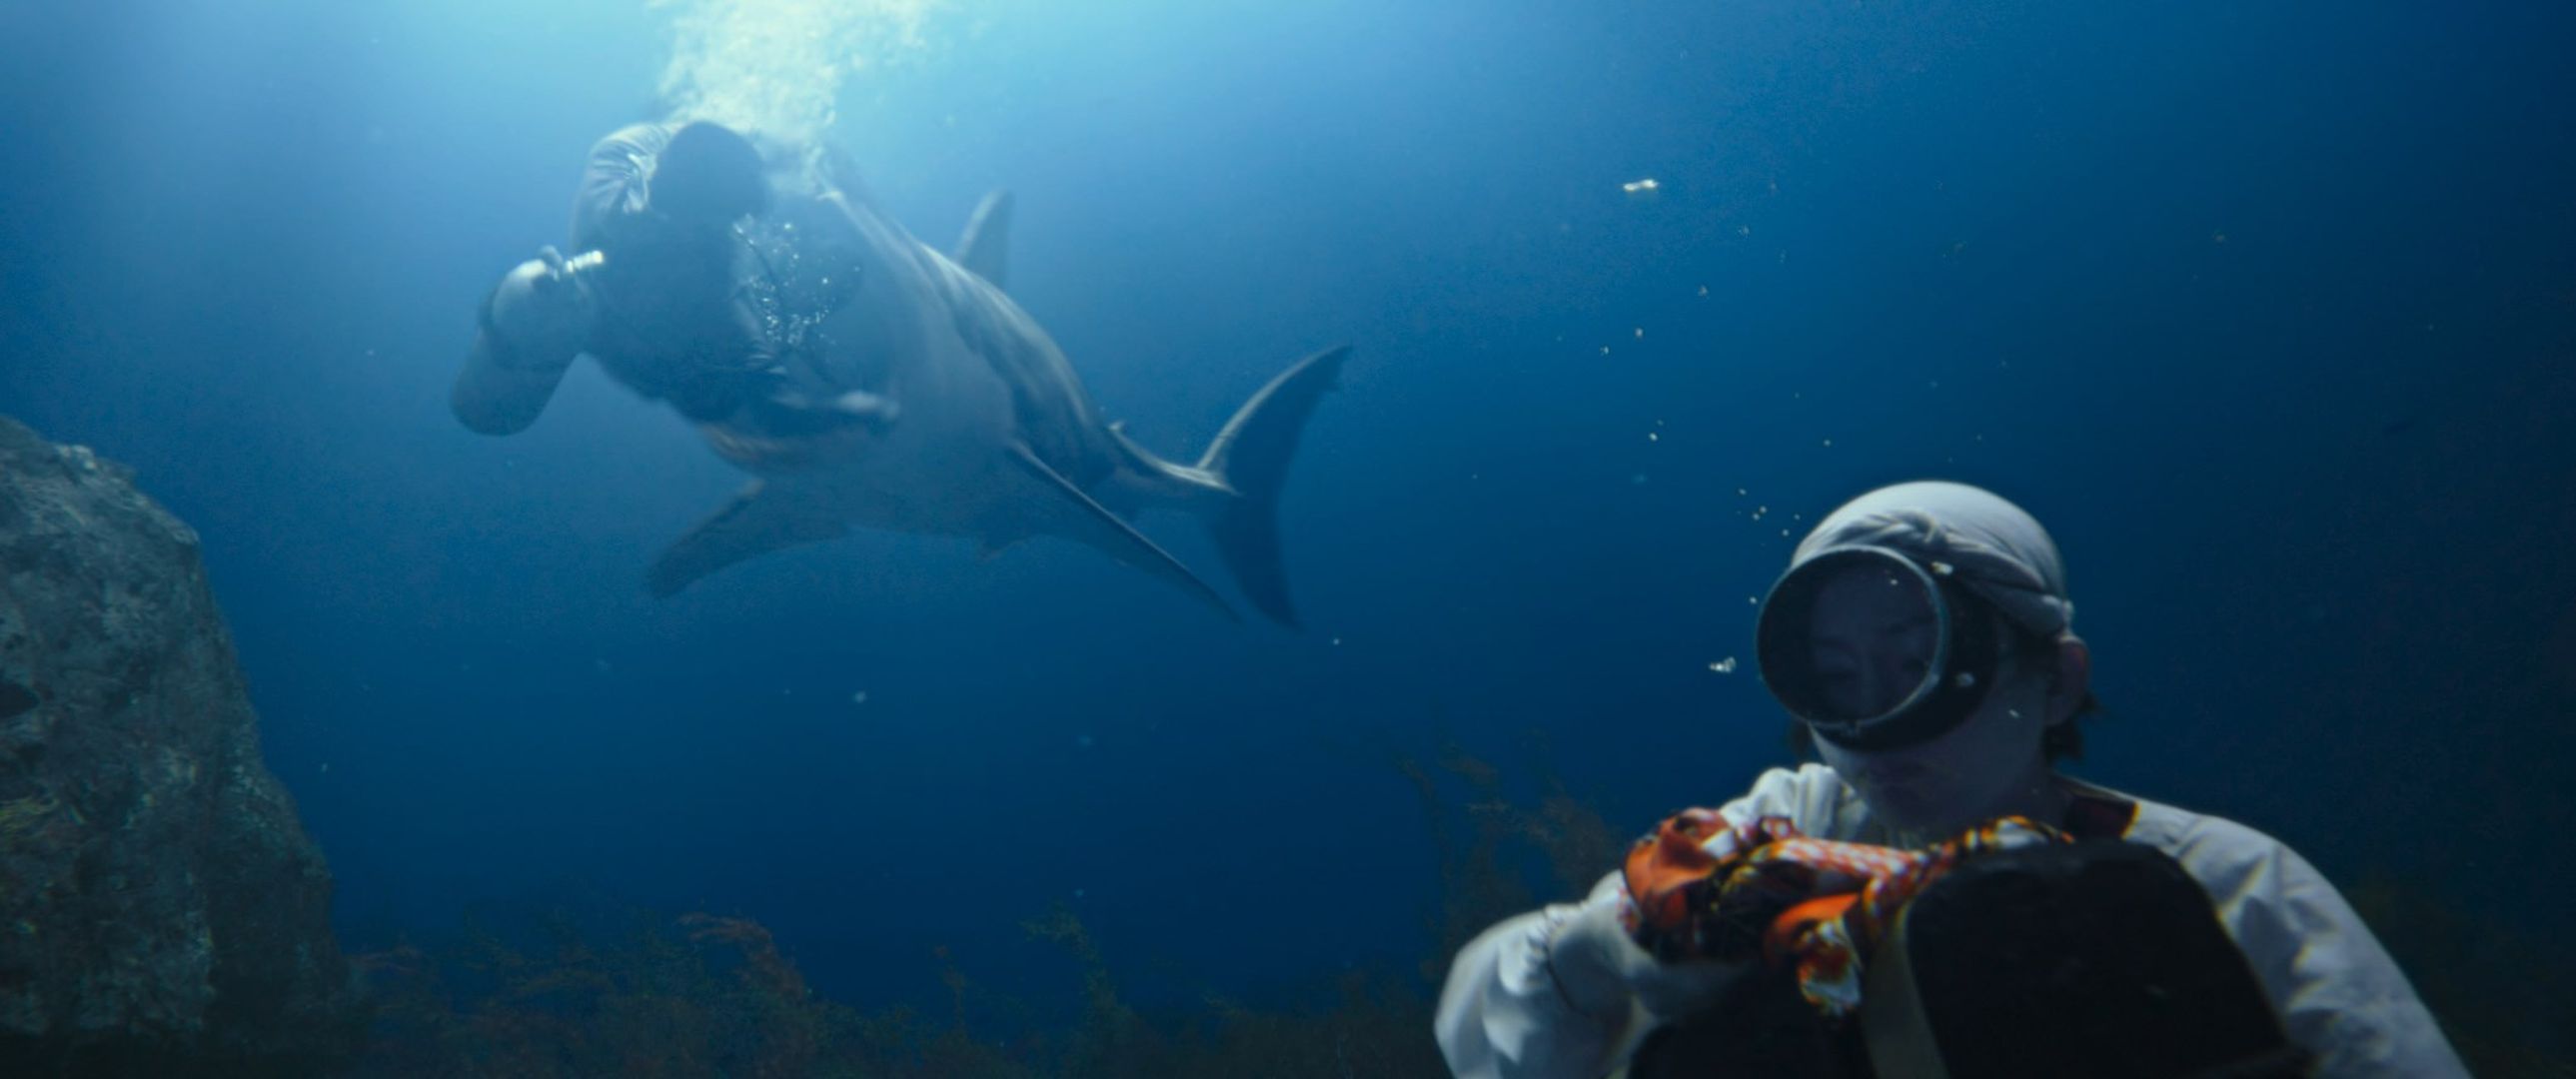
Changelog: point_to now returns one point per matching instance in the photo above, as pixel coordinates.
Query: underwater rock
(161, 910)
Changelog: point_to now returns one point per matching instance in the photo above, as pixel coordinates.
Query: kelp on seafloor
(716, 998)
(2499, 996)
(713, 996)
(704, 995)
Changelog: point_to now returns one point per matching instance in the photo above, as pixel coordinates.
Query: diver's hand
(1599, 969)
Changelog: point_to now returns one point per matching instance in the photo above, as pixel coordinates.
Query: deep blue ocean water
(2266, 310)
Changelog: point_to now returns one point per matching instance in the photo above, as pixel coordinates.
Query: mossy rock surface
(161, 909)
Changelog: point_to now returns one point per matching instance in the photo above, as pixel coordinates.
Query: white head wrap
(1995, 548)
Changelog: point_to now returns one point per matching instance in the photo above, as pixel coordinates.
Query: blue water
(2266, 310)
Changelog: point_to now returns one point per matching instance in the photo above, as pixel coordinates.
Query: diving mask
(1875, 650)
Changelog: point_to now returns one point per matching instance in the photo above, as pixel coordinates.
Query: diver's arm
(1507, 1011)
(501, 389)
(616, 182)
(492, 398)
(1564, 991)
(2336, 990)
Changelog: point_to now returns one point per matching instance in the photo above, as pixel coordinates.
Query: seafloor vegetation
(702, 995)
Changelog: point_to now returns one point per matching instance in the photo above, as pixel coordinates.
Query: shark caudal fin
(1250, 456)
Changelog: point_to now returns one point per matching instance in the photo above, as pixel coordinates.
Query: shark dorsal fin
(986, 246)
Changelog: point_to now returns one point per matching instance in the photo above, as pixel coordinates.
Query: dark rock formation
(161, 910)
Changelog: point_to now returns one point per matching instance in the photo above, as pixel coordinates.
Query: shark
(976, 425)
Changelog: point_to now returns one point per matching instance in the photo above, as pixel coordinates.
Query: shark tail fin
(1250, 457)
(985, 248)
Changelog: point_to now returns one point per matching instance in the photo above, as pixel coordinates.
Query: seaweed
(1487, 842)
(713, 995)
(718, 999)
(2501, 996)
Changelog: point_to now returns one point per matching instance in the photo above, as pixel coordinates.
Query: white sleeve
(1501, 1014)
(2337, 991)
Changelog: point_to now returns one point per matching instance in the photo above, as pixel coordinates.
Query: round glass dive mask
(1874, 650)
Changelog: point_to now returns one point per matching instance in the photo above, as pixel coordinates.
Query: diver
(1922, 638)
(676, 288)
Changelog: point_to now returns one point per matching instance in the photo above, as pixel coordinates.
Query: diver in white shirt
(1924, 637)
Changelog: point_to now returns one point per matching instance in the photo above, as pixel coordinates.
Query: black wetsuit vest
(2096, 958)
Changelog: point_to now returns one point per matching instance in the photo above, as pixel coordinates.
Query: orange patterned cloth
(1700, 888)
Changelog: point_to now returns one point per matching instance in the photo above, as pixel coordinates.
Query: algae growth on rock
(161, 909)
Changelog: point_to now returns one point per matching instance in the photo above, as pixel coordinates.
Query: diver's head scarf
(1997, 550)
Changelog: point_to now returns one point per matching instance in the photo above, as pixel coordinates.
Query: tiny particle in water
(326, 768)
(860, 697)
(1078, 893)
(1703, 290)
(1337, 642)
(1653, 437)
(1645, 186)
(1724, 666)
(1641, 333)
(1638, 480)
(1744, 230)
(1605, 350)
(1083, 740)
(1739, 492)
(1829, 442)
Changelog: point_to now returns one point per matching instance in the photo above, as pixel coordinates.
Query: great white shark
(978, 426)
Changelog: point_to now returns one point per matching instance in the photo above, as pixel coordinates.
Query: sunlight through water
(777, 66)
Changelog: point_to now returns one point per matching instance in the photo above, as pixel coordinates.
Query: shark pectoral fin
(754, 523)
(986, 246)
(1085, 519)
